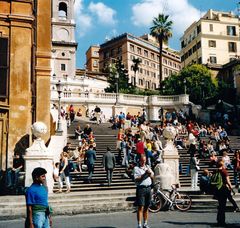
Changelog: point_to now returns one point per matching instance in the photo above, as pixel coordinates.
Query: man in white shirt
(143, 176)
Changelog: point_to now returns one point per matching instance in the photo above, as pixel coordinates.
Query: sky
(100, 20)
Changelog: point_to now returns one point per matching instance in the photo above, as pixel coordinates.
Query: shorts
(143, 196)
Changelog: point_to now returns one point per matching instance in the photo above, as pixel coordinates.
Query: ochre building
(25, 52)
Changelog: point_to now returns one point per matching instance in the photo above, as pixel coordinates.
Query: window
(119, 50)
(211, 27)
(3, 67)
(139, 51)
(200, 60)
(199, 44)
(132, 57)
(95, 53)
(213, 59)
(63, 67)
(189, 52)
(232, 47)
(194, 48)
(165, 71)
(112, 52)
(62, 13)
(212, 43)
(182, 44)
(231, 30)
(131, 47)
(95, 63)
(145, 53)
(198, 29)
(152, 56)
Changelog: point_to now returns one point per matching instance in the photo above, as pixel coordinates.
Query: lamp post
(116, 77)
(203, 94)
(185, 87)
(59, 86)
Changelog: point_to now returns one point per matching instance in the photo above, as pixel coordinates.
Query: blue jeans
(40, 220)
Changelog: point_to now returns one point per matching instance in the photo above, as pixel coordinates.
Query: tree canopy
(161, 29)
(118, 74)
(198, 82)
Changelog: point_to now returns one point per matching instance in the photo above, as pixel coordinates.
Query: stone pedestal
(38, 155)
(168, 172)
(171, 158)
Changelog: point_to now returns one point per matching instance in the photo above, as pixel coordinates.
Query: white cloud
(104, 13)
(83, 20)
(181, 12)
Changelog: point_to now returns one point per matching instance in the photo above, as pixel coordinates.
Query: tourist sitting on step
(221, 147)
(78, 133)
(227, 161)
(86, 131)
(213, 159)
(203, 151)
(204, 182)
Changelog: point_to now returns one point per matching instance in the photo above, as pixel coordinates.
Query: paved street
(128, 219)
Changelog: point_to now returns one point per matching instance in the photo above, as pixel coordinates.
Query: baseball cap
(37, 172)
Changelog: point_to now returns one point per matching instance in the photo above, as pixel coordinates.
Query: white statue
(39, 129)
(38, 146)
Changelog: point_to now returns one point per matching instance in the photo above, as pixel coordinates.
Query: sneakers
(146, 226)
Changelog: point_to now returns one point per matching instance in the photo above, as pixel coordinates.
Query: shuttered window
(3, 67)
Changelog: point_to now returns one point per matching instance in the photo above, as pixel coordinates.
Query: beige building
(126, 47)
(214, 39)
(25, 53)
(92, 58)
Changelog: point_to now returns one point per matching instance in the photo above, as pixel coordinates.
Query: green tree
(135, 68)
(118, 75)
(199, 84)
(161, 29)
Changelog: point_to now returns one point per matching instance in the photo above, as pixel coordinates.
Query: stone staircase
(97, 196)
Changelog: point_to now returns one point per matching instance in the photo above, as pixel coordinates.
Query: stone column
(168, 172)
(37, 155)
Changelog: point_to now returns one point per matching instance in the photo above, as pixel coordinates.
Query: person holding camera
(143, 176)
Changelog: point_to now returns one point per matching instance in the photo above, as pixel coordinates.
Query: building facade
(126, 47)
(92, 58)
(213, 39)
(64, 46)
(25, 53)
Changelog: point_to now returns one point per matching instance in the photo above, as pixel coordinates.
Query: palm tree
(161, 29)
(135, 67)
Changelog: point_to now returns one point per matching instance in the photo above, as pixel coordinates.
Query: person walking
(38, 210)
(64, 173)
(90, 158)
(143, 176)
(222, 193)
(109, 162)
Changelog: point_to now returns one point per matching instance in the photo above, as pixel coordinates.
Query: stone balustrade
(129, 102)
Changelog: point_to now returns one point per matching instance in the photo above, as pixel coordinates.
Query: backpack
(216, 181)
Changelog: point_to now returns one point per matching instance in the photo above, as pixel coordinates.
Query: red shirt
(140, 147)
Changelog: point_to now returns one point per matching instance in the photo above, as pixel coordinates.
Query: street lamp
(203, 94)
(117, 78)
(185, 87)
(59, 86)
